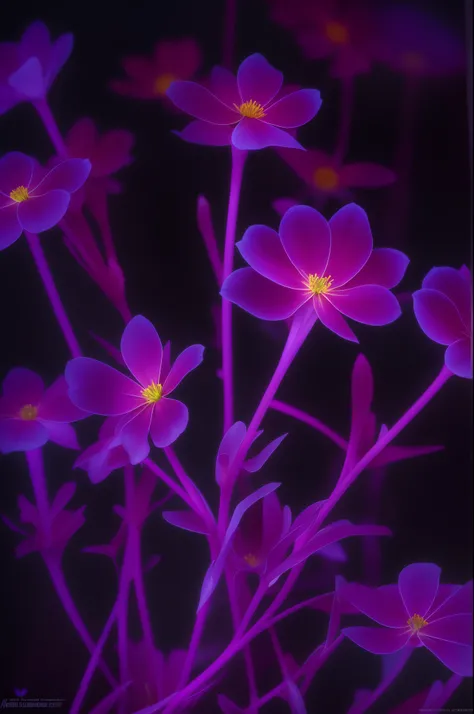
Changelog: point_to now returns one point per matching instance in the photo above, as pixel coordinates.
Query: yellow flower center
(326, 178)
(19, 194)
(152, 393)
(319, 286)
(413, 61)
(28, 412)
(416, 622)
(162, 83)
(337, 33)
(251, 109)
(252, 560)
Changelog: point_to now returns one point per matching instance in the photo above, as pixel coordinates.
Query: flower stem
(236, 619)
(238, 162)
(53, 295)
(178, 490)
(51, 127)
(347, 103)
(194, 644)
(190, 487)
(310, 420)
(126, 577)
(206, 230)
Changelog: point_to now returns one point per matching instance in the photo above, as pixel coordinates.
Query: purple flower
(333, 264)
(30, 415)
(444, 312)
(32, 201)
(106, 455)
(230, 445)
(418, 612)
(29, 67)
(244, 111)
(142, 402)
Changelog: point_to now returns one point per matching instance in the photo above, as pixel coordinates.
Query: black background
(425, 501)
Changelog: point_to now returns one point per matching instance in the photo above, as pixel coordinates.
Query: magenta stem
(163, 476)
(206, 230)
(310, 420)
(347, 103)
(238, 162)
(194, 644)
(126, 577)
(200, 503)
(40, 489)
(229, 32)
(236, 619)
(46, 116)
(140, 587)
(53, 295)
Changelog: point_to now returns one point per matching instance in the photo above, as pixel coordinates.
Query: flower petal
(170, 419)
(28, 79)
(418, 585)
(294, 109)
(458, 658)
(142, 350)
(306, 238)
(224, 86)
(21, 435)
(385, 266)
(68, 176)
(134, 435)
(378, 640)
(228, 448)
(253, 134)
(257, 80)
(458, 601)
(56, 405)
(61, 433)
(100, 389)
(260, 297)
(437, 316)
(458, 358)
(188, 360)
(10, 228)
(451, 283)
(261, 247)
(369, 304)
(332, 319)
(199, 102)
(351, 243)
(16, 169)
(201, 132)
(40, 213)
(454, 628)
(23, 386)
(383, 605)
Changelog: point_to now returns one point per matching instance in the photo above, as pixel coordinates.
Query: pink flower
(150, 78)
(443, 308)
(244, 111)
(333, 265)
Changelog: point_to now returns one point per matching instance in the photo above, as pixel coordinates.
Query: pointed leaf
(256, 462)
(62, 498)
(187, 520)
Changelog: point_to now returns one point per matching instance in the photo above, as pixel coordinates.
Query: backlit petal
(294, 109)
(100, 389)
(253, 134)
(437, 316)
(351, 243)
(142, 350)
(418, 585)
(306, 238)
(261, 247)
(368, 304)
(257, 80)
(199, 102)
(261, 297)
(170, 419)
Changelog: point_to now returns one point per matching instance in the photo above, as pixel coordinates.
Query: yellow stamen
(319, 286)
(28, 412)
(162, 83)
(416, 622)
(337, 33)
(251, 109)
(326, 178)
(19, 194)
(152, 393)
(252, 560)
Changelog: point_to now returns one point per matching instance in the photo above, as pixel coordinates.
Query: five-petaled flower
(244, 111)
(33, 200)
(417, 612)
(443, 309)
(332, 264)
(143, 402)
(30, 415)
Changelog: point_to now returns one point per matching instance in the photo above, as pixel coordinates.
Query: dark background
(425, 501)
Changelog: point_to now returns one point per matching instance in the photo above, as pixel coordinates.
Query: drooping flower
(418, 612)
(31, 200)
(29, 67)
(30, 415)
(443, 309)
(333, 264)
(143, 402)
(244, 111)
(150, 78)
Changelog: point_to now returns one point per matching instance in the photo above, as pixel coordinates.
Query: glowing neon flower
(418, 612)
(29, 67)
(332, 264)
(32, 201)
(443, 309)
(143, 402)
(150, 78)
(30, 415)
(244, 111)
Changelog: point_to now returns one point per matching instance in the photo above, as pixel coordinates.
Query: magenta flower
(106, 455)
(143, 402)
(443, 308)
(151, 78)
(418, 612)
(29, 67)
(32, 201)
(244, 111)
(30, 415)
(332, 264)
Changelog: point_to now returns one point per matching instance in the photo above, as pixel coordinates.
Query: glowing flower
(142, 402)
(32, 201)
(244, 111)
(443, 309)
(331, 264)
(418, 612)
(29, 67)
(106, 455)
(30, 415)
(151, 78)
(230, 445)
